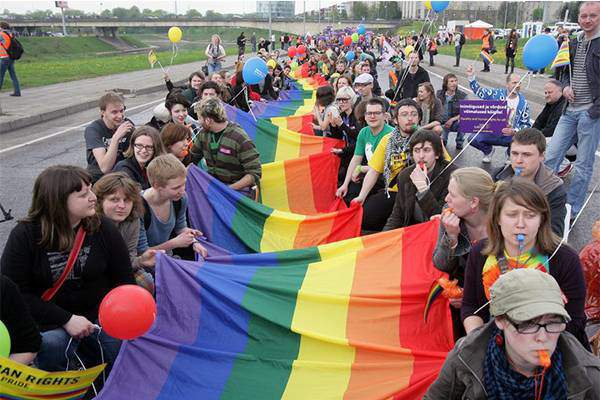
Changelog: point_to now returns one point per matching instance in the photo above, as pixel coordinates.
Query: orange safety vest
(485, 44)
(5, 45)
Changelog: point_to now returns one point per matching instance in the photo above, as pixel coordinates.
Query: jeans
(8, 64)
(510, 60)
(51, 356)
(486, 141)
(214, 66)
(575, 126)
(457, 50)
(460, 137)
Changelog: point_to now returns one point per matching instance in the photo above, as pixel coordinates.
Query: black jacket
(548, 118)
(411, 84)
(430, 202)
(453, 105)
(132, 168)
(102, 265)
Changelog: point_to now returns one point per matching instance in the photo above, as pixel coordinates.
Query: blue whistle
(521, 240)
(518, 171)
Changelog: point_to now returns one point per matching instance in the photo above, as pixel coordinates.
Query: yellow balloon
(175, 34)
(428, 4)
(272, 63)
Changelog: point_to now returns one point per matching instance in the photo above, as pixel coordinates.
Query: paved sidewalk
(45, 103)
(496, 78)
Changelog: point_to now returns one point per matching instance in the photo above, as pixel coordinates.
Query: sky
(231, 6)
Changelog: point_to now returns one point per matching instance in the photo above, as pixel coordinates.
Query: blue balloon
(539, 51)
(350, 55)
(439, 6)
(361, 29)
(255, 70)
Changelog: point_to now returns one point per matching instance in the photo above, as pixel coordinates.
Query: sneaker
(15, 94)
(565, 171)
(487, 158)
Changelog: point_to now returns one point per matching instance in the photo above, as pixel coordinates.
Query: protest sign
(475, 113)
(18, 381)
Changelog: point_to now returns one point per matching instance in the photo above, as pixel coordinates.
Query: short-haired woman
(463, 224)
(62, 213)
(176, 140)
(144, 145)
(119, 199)
(520, 236)
(343, 125)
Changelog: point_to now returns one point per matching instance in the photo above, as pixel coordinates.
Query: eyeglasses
(140, 147)
(530, 327)
(373, 113)
(342, 99)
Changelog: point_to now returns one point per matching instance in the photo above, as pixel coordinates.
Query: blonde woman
(215, 54)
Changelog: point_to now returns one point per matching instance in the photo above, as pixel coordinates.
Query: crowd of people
(499, 235)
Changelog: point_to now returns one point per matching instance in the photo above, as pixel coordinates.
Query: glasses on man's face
(342, 99)
(408, 114)
(373, 113)
(140, 147)
(530, 327)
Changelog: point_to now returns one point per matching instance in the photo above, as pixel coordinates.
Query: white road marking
(51, 135)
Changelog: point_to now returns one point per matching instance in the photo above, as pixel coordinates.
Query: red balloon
(292, 51)
(127, 312)
(347, 41)
(301, 49)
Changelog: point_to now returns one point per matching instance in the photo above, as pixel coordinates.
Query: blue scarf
(503, 383)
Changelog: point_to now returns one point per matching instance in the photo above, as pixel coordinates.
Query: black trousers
(376, 210)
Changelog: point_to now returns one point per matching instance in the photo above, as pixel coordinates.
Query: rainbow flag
(277, 144)
(18, 381)
(562, 57)
(234, 222)
(295, 94)
(283, 108)
(300, 123)
(486, 56)
(304, 185)
(339, 321)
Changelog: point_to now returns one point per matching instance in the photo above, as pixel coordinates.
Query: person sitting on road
(107, 138)
(210, 89)
(164, 226)
(518, 113)
(118, 199)
(412, 79)
(366, 68)
(422, 186)
(391, 155)
(230, 154)
(177, 140)
(520, 236)
(462, 225)
(25, 338)
(431, 108)
(178, 108)
(145, 144)
(524, 351)
(160, 117)
(450, 96)
(363, 85)
(62, 215)
(325, 105)
(527, 161)
(190, 92)
(220, 78)
(547, 120)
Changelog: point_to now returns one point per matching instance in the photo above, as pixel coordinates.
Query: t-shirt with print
(366, 143)
(398, 161)
(98, 136)
(511, 105)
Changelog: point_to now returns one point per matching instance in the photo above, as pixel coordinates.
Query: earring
(499, 339)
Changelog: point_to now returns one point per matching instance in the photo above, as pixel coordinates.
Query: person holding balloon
(215, 53)
(64, 258)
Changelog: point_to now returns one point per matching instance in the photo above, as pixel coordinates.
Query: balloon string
(174, 52)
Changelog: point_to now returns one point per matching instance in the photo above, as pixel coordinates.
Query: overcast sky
(231, 6)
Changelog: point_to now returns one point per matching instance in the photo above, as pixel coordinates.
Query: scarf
(503, 383)
(396, 154)
(492, 271)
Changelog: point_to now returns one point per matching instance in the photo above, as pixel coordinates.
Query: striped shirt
(579, 81)
(229, 154)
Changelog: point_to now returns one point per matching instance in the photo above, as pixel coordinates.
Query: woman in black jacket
(144, 146)
(512, 42)
(35, 257)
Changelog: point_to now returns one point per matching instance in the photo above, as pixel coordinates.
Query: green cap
(526, 293)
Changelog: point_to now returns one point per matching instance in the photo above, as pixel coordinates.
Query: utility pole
(304, 17)
(506, 4)
(319, 14)
(270, 33)
(62, 13)
(517, 16)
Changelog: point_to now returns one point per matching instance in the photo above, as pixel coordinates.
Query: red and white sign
(61, 4)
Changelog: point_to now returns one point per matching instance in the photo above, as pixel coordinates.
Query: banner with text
(475, 113)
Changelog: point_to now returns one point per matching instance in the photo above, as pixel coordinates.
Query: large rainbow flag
(231, 220)
(339, 321)
(296, 123)
(304, 185)
(283, 108)
(277, 144)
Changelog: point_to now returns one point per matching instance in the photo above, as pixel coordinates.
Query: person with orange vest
(6, 63)
(432, 50)
(487, 46)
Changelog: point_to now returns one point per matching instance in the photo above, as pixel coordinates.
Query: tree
(343, 14)
(106, 13)
(538, 14)
(573, 8)
(360, 10)
(193, 13)
(134, 12)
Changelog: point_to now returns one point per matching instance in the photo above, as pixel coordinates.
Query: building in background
(279, 9)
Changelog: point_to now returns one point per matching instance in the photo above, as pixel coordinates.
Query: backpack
(15, 49)
(462, 40)
(148, 215)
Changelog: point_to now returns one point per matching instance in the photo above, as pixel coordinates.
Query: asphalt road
(25, 153)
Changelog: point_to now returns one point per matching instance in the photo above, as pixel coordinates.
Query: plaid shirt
(232, 155)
